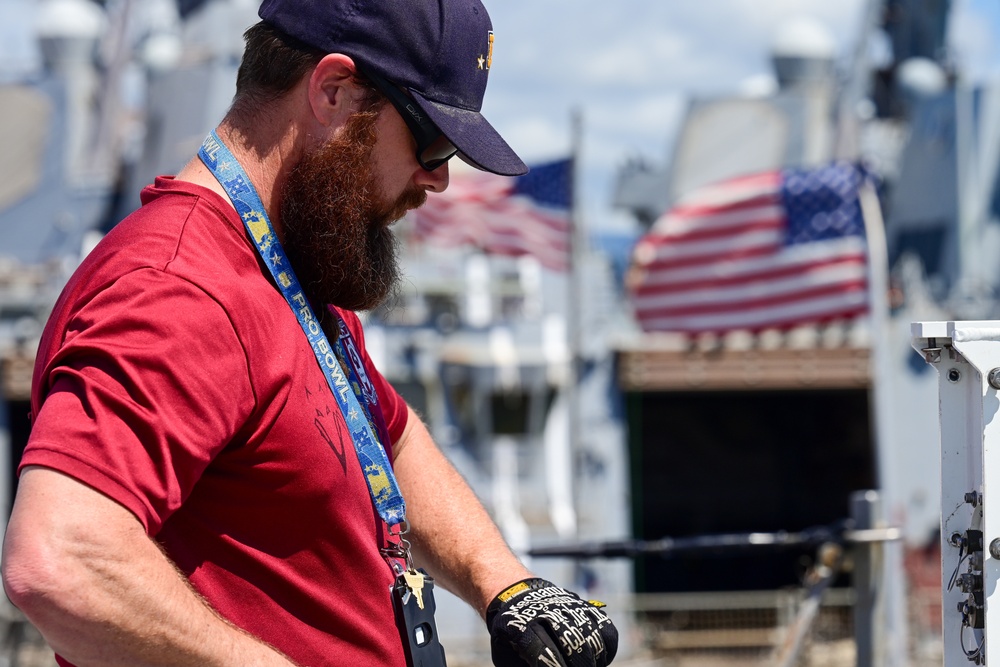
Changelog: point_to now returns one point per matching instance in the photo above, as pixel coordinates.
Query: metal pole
(869, 589)
(574, 308)
(887, 443)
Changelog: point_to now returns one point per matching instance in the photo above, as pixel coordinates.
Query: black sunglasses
(433, 148)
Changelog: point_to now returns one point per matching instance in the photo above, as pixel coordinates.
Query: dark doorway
(706, 463)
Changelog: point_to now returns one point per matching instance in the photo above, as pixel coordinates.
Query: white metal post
(967, 358)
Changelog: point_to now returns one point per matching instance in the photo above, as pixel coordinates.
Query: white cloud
(638, 126)
(636, 59)
(538, 138)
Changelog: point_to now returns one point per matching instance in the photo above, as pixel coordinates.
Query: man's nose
(435, 181)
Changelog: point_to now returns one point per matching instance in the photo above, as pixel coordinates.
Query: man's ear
(332, 89)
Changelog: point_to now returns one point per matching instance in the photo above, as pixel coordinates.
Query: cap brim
(476, 140)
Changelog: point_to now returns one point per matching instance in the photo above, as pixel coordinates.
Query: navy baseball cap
(439, 51)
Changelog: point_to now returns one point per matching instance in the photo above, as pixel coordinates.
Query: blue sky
(628, 66)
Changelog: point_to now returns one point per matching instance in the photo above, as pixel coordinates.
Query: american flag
(771, 250)
(524, 215)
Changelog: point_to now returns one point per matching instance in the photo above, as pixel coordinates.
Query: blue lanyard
(371, 454)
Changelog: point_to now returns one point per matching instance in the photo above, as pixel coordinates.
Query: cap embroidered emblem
(481, 61)
(489, 54)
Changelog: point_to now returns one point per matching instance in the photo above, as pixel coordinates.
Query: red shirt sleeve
(148, 385)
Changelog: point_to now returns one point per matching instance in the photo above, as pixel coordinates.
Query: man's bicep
(86, 574)
(414, 433)
(52, 502)
(57, 522)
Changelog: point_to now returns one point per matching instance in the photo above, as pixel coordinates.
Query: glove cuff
(511, 592)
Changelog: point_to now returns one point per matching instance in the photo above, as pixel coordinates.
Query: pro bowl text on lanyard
(371, 454)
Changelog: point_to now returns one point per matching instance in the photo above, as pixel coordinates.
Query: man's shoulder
(174, 210)
(180, 228)
(178, 234)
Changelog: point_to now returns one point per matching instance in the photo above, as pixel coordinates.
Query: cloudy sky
(628, 66)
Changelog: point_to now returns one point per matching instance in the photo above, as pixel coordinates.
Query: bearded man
(216, 474)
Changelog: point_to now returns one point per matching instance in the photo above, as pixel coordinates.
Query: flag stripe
(734, 255)
(484, 223)
(738, 291)
(668, 253)
(797, 255)
(738, 272)
(739, 213)
(721, 304)
(830, 308)
(741, 223)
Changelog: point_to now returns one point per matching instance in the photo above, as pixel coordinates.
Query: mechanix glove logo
(536, 623)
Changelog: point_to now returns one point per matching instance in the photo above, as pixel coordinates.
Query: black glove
(536, 623)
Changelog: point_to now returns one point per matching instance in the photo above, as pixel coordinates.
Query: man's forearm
(453, 535)
(82, 569)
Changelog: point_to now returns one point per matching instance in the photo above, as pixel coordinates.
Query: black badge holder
(420, 638)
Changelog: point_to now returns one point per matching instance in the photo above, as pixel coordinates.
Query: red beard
(336, 221)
